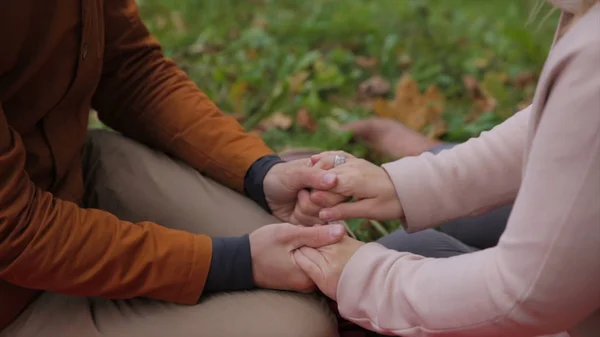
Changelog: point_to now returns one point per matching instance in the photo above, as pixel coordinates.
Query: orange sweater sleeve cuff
(199, 267)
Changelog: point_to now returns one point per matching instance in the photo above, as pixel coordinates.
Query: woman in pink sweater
(543, 276)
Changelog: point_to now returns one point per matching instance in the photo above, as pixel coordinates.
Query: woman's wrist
(390, 198)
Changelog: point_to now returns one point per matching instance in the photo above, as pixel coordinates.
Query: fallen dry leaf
(256, 132)
(503, 77)
(278, 120)
(523, 79)
(404, 61)
(252, 54)
(202, 48)
(259, 22)
(375, 86)
(333, 124)
(524, 104)
(366, 61)
(282, 121)
(236, 95)
(234, 34)
(305, 120)
(483, 100)
(482, 63)
(462, 41)
(411, 107)
(438, 129)
(178, 22)
(160, 21)
(297, 80)
(290, 153)
(240, 117)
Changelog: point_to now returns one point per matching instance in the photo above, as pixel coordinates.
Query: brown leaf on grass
(333, 125)
(252, 54)
(503, 77)
(236, 95)
(404, 61)
(278, 120)
(290, 153)
(297, 80)
(256, 132)
(259, 22)
(234, 34)
(482, 62)
(375, 86)
(240, 117)
(483, 100)
(305, 120)
(350, 102)
(203, 48)
(366, 62)
(523, 79)
(352, 46)
(524, 104)
(178, 22)
(411, 107)
(281, 121)
(437, 129)
(160, 21)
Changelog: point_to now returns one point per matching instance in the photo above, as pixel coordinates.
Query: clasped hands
(307, 195)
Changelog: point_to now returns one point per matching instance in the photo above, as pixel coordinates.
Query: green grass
(246, 54)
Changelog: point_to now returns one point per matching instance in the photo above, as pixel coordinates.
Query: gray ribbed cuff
(230, 266)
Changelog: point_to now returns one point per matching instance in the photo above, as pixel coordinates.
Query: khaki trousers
(137, 183)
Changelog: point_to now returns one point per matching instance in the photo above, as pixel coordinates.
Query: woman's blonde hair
(585, 7)
(587, 4)
(539, 5)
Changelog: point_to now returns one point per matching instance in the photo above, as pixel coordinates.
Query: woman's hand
(368, 184)
(325, 265)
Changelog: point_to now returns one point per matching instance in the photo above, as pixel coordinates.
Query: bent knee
(267, 313)
(428, 243)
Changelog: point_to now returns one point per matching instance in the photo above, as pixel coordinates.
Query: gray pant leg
(481, 231)
(428, 243)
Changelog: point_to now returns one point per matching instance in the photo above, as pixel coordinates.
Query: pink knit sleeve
(471, 177)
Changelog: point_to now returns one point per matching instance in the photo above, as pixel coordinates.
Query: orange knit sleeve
(54, 245)
(147, 97)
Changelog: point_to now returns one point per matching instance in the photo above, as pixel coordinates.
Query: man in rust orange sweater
(103, 236)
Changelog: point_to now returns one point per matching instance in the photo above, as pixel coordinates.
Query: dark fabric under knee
(481, 231)
(428, 243)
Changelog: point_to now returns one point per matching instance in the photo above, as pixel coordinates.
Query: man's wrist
(230, 266)
(255, 176)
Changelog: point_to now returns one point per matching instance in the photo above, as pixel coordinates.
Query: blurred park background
(295, 71)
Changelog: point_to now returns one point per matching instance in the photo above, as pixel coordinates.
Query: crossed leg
(137, 183)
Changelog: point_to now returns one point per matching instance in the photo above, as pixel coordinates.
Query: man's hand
(285, 190)
(272, 247)
(325, 265)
